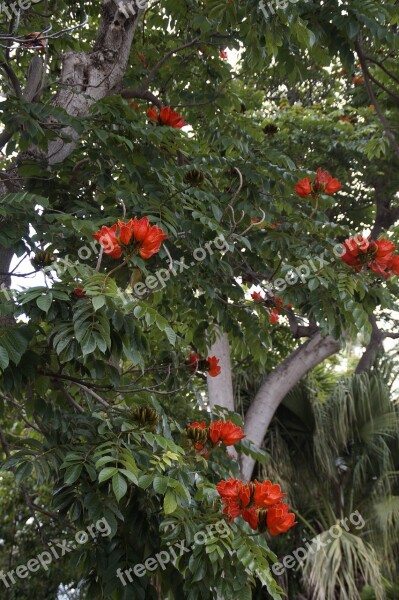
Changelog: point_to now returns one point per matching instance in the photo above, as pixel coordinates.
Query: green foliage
(73, 369)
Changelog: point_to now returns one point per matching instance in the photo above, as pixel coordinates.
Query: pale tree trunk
(276, 386)
(220, 388)
(85, 79)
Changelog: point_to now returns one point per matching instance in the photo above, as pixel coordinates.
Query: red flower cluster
(223, 54)
(258, 503)
(343, 118)
(166, 116)
(224, 432)
(323, 183)
(211, 364)
(377, 255)
(276, 305)
(135, 235)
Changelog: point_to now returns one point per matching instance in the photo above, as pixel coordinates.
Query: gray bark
(277, 385)
(220, 388)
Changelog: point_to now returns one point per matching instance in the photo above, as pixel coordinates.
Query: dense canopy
(198, 273)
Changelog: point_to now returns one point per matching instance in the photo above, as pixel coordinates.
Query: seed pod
(197, 435)
(270, 129)
(262, 527)
(42, 259)
(147, 417)
(194, 178)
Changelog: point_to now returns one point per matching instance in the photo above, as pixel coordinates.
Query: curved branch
(276, 386)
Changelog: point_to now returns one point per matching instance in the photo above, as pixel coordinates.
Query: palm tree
(339, 456)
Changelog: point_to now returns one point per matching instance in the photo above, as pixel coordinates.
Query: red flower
(166, 116)
(257, 297)
(251, 516)
(197, 425)
(80, 293)
(279, 520)
(213, 369)
(273, 318)
(229, 488)
(376, 255)
(232, 508)
(149, 236)
(107, 238)
(325, 183)
(225, 432)
(346, 119)
(358, 80)
(384, 250)
(194, 359)
(304, 188)
(145, 239)
(134, 104)
(267, 494)
(223, 54)
(211, 364)
(354, 248)
(395, 264)
(125, 232)
(236, 496)
(381, 262)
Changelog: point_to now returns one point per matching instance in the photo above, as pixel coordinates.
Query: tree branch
(373, 99)
(276, 386)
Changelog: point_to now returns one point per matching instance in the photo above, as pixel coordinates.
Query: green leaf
(72, 474)
(98, 302)
(23, 471)
(169, 502)
(4, 358)
(44, 302)
(160, 484)
(119, 486)
(107, 473)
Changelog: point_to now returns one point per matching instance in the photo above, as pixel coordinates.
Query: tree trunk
(277, 385)
(220, 388)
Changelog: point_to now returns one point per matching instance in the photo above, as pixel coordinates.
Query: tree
(95, 365)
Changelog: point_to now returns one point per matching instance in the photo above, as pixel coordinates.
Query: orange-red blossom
(211, 364)
(136, 234)
(225, 432)
(323, 183)
(277, 305)
(378, 255)
(258, 503)
(166, 116)
(218, 432)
